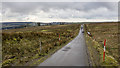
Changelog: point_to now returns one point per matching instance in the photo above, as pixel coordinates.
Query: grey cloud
(22, 9)
(31, 6)
(60, 0)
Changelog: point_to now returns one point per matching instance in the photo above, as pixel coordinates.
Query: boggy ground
(21, 47)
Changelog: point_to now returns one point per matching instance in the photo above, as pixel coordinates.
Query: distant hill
(13, 25)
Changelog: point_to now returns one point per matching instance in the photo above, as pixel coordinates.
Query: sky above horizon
(59, 11)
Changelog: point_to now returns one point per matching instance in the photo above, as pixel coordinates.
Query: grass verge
(101, 31)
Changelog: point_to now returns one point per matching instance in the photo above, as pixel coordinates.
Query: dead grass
(22, 46)
(108, 31)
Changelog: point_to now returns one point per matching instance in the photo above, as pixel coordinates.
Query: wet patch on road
(66, 49)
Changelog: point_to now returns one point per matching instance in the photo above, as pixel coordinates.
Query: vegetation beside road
(21, 47)
(95, 43)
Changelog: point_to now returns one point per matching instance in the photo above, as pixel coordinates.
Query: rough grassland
(101, 31)
(21, 47)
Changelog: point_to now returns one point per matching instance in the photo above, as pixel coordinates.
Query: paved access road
(73, 54)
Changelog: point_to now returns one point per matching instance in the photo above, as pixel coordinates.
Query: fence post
(104, 50)
(40, 46)
(59, 38)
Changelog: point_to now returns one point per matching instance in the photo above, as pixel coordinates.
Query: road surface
(73, 54)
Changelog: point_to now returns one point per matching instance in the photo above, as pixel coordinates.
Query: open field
(101, 31)
(22, 46)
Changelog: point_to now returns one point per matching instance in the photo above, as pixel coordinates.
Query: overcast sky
(59, 11)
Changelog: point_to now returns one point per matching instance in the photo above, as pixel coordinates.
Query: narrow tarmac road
(73, 54)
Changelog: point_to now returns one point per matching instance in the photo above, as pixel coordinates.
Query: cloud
(39, 11)
(60, 0)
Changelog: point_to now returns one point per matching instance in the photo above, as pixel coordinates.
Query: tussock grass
(21, 47)
(101, 31)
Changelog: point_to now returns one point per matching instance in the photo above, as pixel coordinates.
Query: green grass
(21, 47)
(101, 31)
